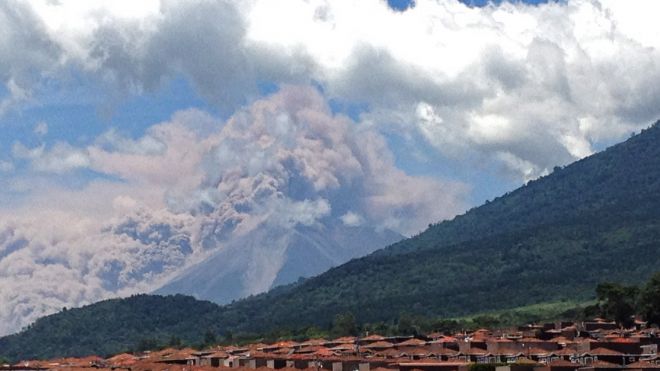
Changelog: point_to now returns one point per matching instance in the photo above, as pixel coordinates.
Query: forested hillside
(139, 322)
(553, 239)
(549, 263)
(623, 180)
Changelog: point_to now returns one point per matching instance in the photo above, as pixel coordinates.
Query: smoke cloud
(284, 162)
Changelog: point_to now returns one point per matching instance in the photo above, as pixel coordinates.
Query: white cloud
(59, 159)
(147, 145)
(22, 30)
(41, 129)
(351, 219)
(6, 166)
(542, 69)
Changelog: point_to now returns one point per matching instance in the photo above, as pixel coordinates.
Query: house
(214, 359)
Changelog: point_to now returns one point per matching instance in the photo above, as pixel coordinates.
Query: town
(597, 344)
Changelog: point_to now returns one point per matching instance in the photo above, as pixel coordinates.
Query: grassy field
(541, 312)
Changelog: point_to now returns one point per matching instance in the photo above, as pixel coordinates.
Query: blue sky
(206, 121)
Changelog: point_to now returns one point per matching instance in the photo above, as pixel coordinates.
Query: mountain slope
(275, 256)
(112, 326)
(504, 271)
(620, 179)
(553, 239)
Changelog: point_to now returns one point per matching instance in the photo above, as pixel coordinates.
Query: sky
(133, 131)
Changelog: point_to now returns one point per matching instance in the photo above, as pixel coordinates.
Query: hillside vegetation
(554, 239)
(136, 323)
(623, 181)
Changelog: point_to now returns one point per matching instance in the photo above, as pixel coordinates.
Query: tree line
(622, 303)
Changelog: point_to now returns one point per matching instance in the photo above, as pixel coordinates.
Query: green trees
(345, 325)
(209, 338)
(175, 342)
(649, 300)
(406, 325)
(147, 344)
(621, 303)
(617, 302)
(140, 322)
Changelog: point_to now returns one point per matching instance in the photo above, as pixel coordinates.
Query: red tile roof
(379, 345)
(586, 340)
(565, 352)
(344, 340)
(343, 347)
(603, 364)
(411, 342)
(418, 351)
(643, 364)
(123, 359)
(530, 340)
(217, 354)
(561, 340)
(319, 341)
(477, 351)
(390, 353)
(446, 339)
(603, 352)
(633, 339)
(538, 351)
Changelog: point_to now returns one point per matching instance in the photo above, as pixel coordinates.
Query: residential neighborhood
(597, 344)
